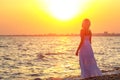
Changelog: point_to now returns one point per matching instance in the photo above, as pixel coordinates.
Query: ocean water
(26, 58)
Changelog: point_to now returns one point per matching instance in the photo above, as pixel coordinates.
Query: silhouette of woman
(86, 56)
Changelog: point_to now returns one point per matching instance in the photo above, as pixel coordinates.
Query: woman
(86, 57)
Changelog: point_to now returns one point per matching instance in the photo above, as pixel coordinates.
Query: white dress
(87, 61)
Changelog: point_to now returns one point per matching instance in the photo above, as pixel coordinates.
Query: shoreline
(113, 75)
(106, 75)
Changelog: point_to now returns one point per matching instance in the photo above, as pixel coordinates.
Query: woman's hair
(86, 23)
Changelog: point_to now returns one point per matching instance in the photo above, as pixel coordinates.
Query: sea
(30, 57)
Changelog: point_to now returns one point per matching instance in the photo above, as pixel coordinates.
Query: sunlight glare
(65, 9)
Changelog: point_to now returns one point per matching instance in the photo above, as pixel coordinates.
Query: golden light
(65, 9)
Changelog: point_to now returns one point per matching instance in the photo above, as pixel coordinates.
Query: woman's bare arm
(81, 42)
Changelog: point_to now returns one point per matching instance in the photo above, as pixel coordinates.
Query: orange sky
(38, 17)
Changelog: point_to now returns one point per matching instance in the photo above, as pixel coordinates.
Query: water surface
(44, 57)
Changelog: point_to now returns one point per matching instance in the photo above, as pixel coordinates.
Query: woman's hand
(76, 53)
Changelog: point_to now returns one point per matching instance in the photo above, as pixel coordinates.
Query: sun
(65, 9)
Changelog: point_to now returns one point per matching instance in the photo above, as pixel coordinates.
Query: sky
(58, 16)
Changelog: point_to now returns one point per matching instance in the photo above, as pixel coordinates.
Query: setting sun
(65, 9)
(57, 16)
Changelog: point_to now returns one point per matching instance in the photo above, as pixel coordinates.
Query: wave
(3, 46)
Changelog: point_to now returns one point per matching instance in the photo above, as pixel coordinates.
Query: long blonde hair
(85, 25)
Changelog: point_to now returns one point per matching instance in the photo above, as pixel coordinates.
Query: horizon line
(71, 34)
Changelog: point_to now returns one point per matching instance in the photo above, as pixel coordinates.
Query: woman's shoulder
(81, 31)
